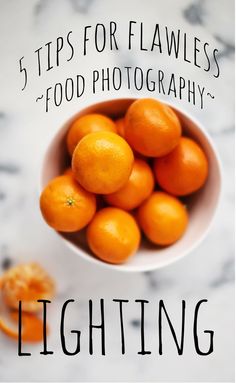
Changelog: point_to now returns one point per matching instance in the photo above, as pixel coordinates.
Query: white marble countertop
(25, 131)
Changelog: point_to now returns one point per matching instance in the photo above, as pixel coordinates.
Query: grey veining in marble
(25, 132)
(194, 12)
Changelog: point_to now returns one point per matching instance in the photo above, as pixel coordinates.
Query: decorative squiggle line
(209, 94)
(39, 98)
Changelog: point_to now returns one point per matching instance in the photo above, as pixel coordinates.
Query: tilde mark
(39, 98)
(209, 94)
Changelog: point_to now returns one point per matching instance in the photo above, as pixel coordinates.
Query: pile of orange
(140, 166)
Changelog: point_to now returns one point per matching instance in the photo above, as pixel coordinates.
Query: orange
(88, 124)
(139, 186)
(184, 170)
(120, 126)
(163, 218)
(65, 205)
(113, 235)
(32, 327)
(151, 127)
(102, 162)
(68, 172)
(28, 283)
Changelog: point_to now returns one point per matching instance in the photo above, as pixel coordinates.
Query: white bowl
(201, 205)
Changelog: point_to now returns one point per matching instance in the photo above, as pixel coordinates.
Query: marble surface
(25, 131)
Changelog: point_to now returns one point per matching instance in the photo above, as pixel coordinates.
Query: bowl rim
(125, 267)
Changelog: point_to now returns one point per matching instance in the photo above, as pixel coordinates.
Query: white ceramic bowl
(201, 205)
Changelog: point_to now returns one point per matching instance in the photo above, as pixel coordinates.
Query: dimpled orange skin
(102, 162)
(184, 170)
(163, 218)
(151, 127)
(139, 186)
(113, 235)
(65, 205)
(87, 124)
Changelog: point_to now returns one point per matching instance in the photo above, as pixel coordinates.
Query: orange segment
(26, 283)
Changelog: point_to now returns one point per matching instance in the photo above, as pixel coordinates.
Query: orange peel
(32, 327)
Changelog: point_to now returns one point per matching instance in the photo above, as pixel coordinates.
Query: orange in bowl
(68, 172)
(120, 126)
(84, 125)
(151, 127)
(102, 162)
(138, 187)
(163, 218)
(65, 205)
(184, 170)
(113, 235)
